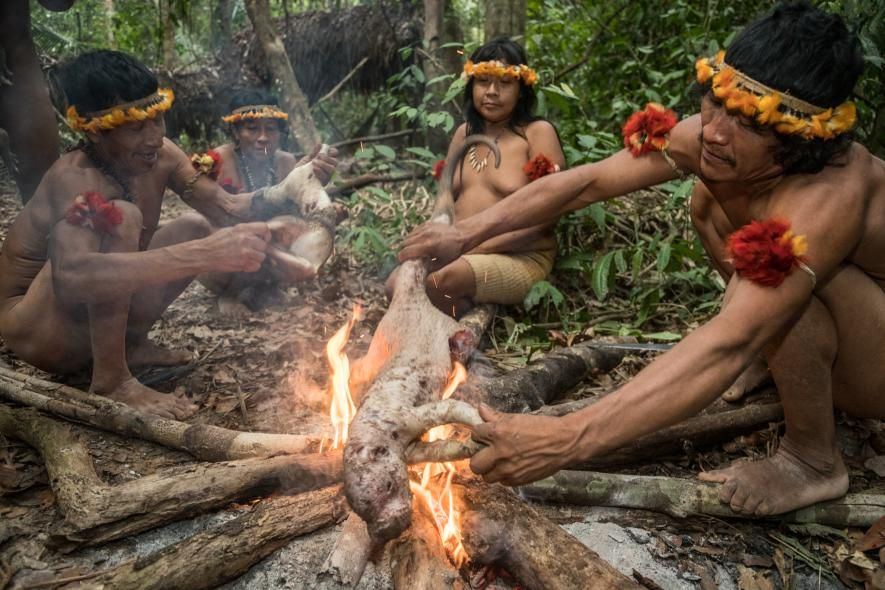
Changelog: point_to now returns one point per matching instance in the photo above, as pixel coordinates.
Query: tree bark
(221, 30)
(681, 498)
(505, 18)
(418, 558)
(96, 513)
(203, 441)
(500, 529)
(208, 559)
(434, 37)
(109, 12)
(167, 32)
(294, 102)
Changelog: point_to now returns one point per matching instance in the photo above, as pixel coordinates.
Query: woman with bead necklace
(498, 102)
(253, 160)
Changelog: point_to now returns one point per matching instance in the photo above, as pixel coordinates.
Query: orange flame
(442, 504)
(341, 408)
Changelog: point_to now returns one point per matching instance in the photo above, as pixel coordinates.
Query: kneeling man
(86, 269)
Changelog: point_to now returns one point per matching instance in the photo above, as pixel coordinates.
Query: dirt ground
(266, 372)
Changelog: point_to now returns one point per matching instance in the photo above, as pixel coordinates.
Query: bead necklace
(88, 148)
(246, 172)
(480, 164)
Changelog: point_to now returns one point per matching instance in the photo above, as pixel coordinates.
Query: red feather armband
(93, 211)
(539, 166)
(438, 168)
(765, 252)
(208, 163)
(649, 129)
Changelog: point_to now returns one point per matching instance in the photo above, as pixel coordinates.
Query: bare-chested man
(771, 143)
(85, 269)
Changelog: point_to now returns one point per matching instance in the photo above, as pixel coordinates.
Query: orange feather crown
(784, 113)
(127, 112)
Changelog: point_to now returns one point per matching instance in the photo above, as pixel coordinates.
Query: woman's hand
(521, 448)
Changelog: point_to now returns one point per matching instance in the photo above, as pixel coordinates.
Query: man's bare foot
(133, 393)
(753, 377)
(793, 478)
(147, 354)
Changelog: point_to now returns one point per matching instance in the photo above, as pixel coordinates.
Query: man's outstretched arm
(546, 199)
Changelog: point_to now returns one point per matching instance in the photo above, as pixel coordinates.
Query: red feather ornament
(765, 252)
(208, 163)
(93, 211)
(539, 166)
(649, 129)
(438, 168)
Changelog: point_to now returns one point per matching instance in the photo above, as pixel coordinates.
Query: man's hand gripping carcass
(407, 366)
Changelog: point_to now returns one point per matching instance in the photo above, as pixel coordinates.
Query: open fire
(435, 479)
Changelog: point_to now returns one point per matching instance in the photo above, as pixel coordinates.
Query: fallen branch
(700, 431)
(210, 558)
(343, 81)
(682, 497)
(345, 565)
(96, 513)
(498, 528)
(544, 380)
(203, 441)
(418, 558)
(367, 179)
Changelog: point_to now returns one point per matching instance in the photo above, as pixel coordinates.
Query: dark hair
(254, 96)
(100, 79)
(502, 49)
(810, 54)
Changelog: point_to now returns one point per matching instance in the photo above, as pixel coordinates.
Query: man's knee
(127, 234)
(193, 226)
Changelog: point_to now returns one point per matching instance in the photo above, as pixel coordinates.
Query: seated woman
(498, 103)
(250, 161)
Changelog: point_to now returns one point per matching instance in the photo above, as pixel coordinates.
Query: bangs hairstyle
(803, 51)
(511, 53)
(98, 80)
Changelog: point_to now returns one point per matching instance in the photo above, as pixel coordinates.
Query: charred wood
(681, 498)
(418, 558)
(544, 380)
(498, 528)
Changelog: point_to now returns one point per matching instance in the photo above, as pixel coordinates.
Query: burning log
(203, 441)
(419, 560)
(207, 559)
(96, 513)
(500, 529)
(345, 565)
(544, 380)
(682, 497)
(412, 352)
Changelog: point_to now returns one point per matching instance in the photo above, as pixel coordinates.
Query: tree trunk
(434, 36)
(682, 497)
(167, 30)
(500, 529)
(222, 11)
(109, 12)
(292, 98)
(505, 18)
(208, 559)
